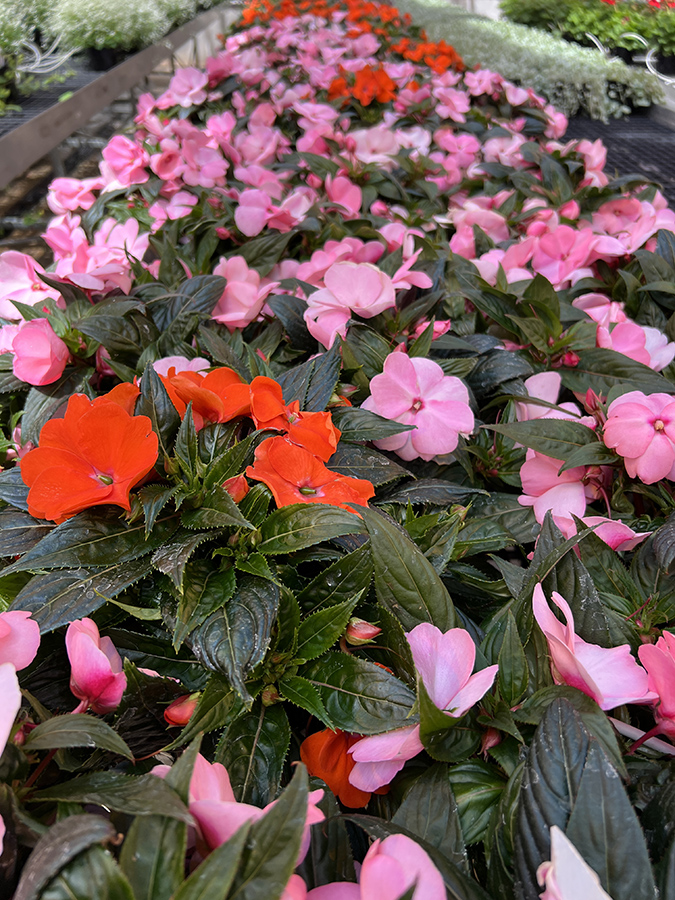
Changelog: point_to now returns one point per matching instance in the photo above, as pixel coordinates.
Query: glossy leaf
(553, 437)
(339, 581)
(77, 730)
(303, 694)
(356, 461)
(205, 591)
(172, 557)
(218, 510)
(19, 532)
(301, 525)
(319, 631)
(362, 425)
(93, 873)
(212, 878)
(312, 384)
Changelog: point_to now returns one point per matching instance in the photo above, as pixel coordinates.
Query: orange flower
(294, 475)
(373, 84)
(217, 397)
(124, 395)
(314, 431)
(338, 88)
(325, 755)
(93, 456)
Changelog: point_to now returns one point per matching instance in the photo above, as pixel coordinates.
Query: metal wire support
(648, 58)
(37, 62)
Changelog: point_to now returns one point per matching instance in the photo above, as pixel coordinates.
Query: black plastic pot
(665, 64)
(100, 60)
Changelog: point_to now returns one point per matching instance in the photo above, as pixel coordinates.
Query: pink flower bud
(96, 676)
(360, 632)
(237, 487)
(179, 712)
(570, 359)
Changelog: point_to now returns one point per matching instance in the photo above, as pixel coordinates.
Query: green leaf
(253, 751)
(264, 252)
(274, 845)
(301, 525)
(355, 461)
(445, 738)
(235, 639)
(57, 847)
(218, 510)
(13, 489)
(513, 674)
(406, 583)
(589, 455)
(61, 597)
(185, 447)
(429, 811)
(153, 853)
(605, 368)
(77, 730)
(557, 438)
(44, 402)
(358, 424)
(154, 498)
(155, 403)
(172, 557)
(20, 532)
(204, 592)
(231, 462)
(433, 490)
(212, 879)
(477, 787)
(359, 696)
(339, 581)
(93, 873)
(319, 631)
(97, 537)
(136, 795)
(312, 384)
(195, 296)
(217, 705)
(302, 693)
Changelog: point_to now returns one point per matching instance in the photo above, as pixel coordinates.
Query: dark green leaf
(211, 880)
(433, 490)
(301, 525)
(312, 384)
(19, 532)
(217, 705)
(362, 425)
(355, 461)
(359, 696)
(557, 438)
(264, 252)
(218, 510)
(445, 738)
(204, 592)
(13, 489)
(172, 557)
(605, 368)
(407, 584)
(477, 787)
(77, 730)
(154, 402)
(302, 693)
(196, 296)
(93, 873)
(513, 675)
(235, 639)
(319, 631)
(253, 751)
(341, 580)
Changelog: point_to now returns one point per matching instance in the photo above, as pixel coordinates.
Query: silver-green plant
(13, 28)
(116, 24)
(178, 11)
(572, 78)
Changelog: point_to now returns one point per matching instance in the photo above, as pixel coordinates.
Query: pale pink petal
(475, 688)
(19, 639)
(444, 662)
(11, 701)
(615, 672)
(218, 820)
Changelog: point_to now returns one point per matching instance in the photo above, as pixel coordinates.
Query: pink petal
(11, 701)
(615, 672)
(218, 820)
(444, 662)
(19, 643)
(476, 687)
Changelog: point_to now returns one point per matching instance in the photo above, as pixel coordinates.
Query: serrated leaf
(355, 461)
(218, 510)
(433, 490)
(557, 438)
(339, 581)
(302, 693)
(217, 705)
(204, 590)
(20, 532)
(312, 384)
(61, 597)
(253, 751)
(155, 403)
(211, 880)
(359, 696)
(97, 537)
(358, 424)
(301, 525)
(13, 489)
(173, 556)
(319, 631)
(195, 296)
(76, 730)
(235, 639)
(154, 498)
(136, 795)
(406, 583)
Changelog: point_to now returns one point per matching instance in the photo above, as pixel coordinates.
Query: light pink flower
(444, 662)
(392, 866)
(451, 103)
(645, 345)
(177, 207)
(375, 145)
(342, 191)
(641, 428)
(96, 676)
(611, 676)
(565, 254)
(659, 661)
(125, 161)
(613, 532)
(243, 297)
(39, 355)
(360, 287)
(545, 386)
(601, 309)
(186, 89)
(180, 364)
(382, 756)
(20, 280)
(415, 391)
(72, 193)
(19, 638)
(568, 876)
(564, 494)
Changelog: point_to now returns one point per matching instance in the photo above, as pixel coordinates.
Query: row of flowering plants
(339, 442)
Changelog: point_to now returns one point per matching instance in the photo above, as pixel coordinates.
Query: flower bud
(570, 359)
(236, 487)
(360, 632)
(270, 696)
(179, 712)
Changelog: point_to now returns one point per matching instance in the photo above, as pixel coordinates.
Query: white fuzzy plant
(178, 11)
(98, 24)
(572, 78)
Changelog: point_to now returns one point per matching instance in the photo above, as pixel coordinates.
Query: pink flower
(568, 876)
(564, 494)
(613, 532)
(180, 364)
(380, 757)
(243, 297)
(19, 638)
(452, 104)
(641, 428)
(360, 287)
(392, 866)
(39, 355)
(594, 155)
(125, 161)
(611, 676)
(72, 193)
(342, 191)
(186, 89)
(445, 662)
(251, 213)
(20, 280)
(415, 391)
(645, 345)
(565, 254)
(601, 309)
(375, 145)
(545, 386)
(10, 706)
(659, 661)
(179, 206)
(96, 676)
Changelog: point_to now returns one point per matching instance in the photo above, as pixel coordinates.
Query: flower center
(104, 479)
(659, 425)
(418, 404)
(308, 491)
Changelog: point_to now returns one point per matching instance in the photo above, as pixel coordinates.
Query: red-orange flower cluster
(93, 456)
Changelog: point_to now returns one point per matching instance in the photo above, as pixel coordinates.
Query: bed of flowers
(339, 449)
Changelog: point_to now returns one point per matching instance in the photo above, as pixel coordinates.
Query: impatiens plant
(337, 520)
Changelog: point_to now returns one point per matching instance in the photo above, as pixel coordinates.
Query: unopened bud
(236, 487)
(360, 632)
(179, 712)
(570, 359)
(270, 696)
(491, 737)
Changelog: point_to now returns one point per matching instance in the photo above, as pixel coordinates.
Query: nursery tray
(44, 122)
